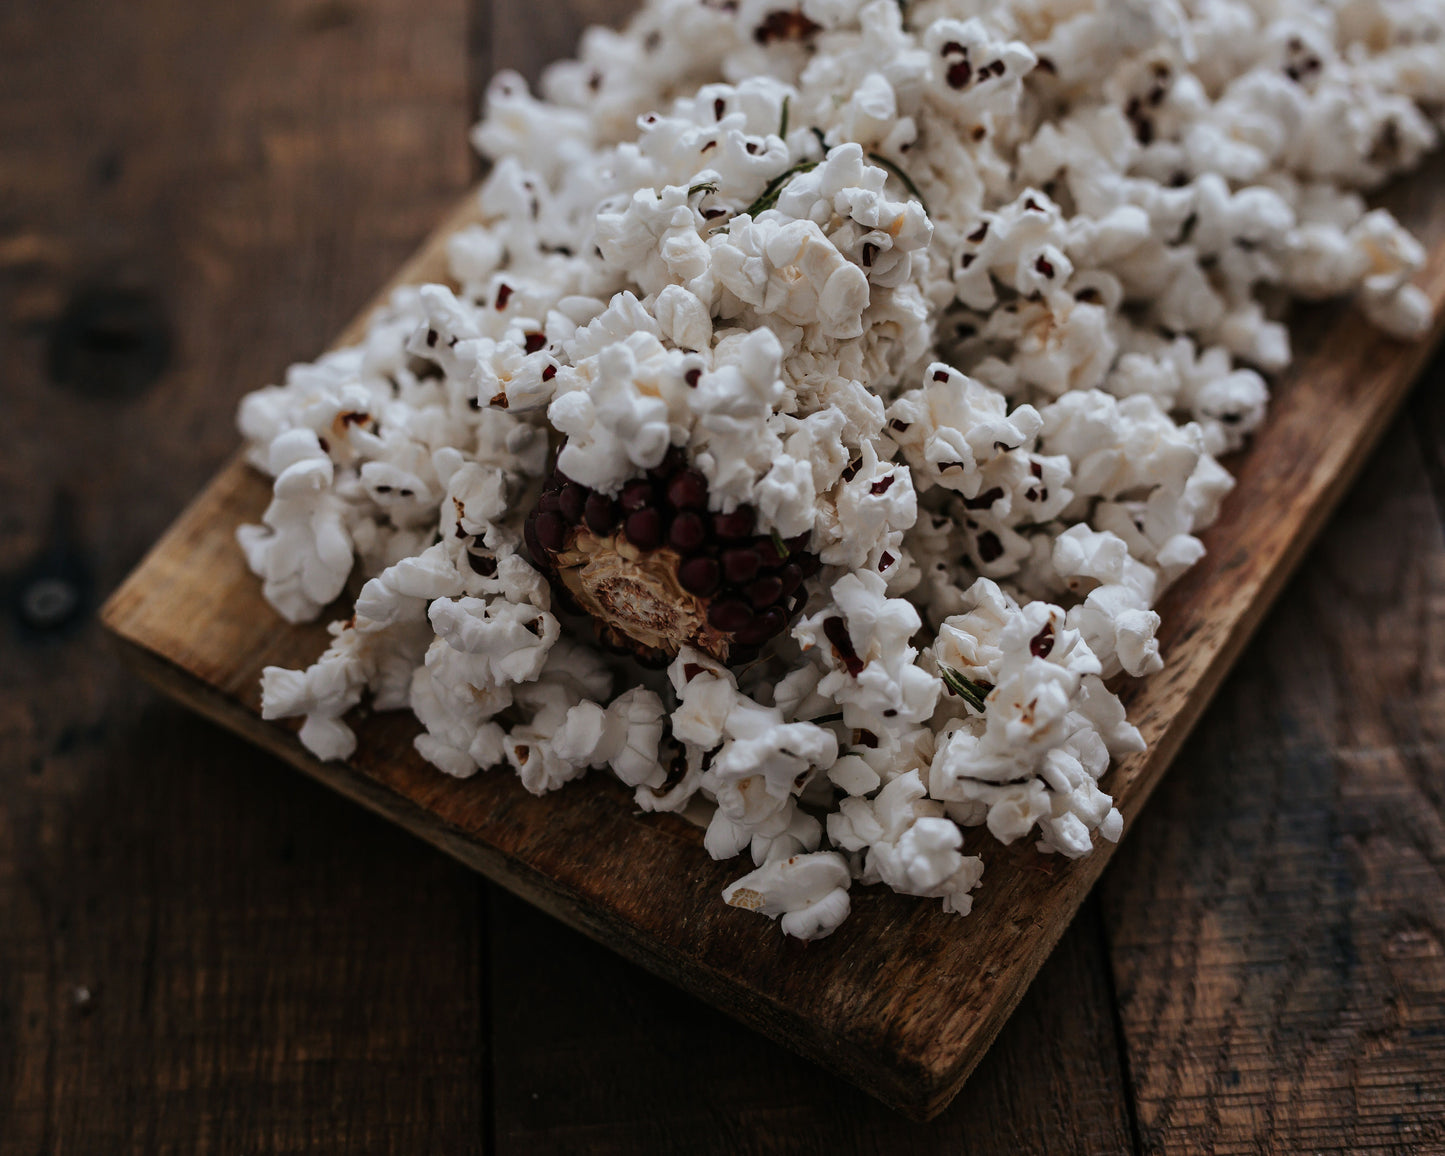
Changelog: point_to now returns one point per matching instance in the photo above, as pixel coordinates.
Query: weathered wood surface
(269, 970)
(200, 951)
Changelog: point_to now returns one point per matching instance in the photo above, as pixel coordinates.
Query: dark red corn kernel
(692, 375)
(688, 531)
(534, 546)
(718, 107)
(765, 591)
(940, 375)
(691, 670)
(953, 48)
(769, 556)
(870, 251)
(978, 234)
(851, 470)
(550, 502)
(790, 578)
(644, 529)
(730, 614)
(551, 531)
(738, 524)
(836, 631)
(881, 485)
(990, 549)
(674, 460)
(600, 514)
(504, 294)
(572, 500)
(636, 495)
(885, 560)
(483, 564)
(959, 74)
(755, 633)
(688, 491)
(1042, 643)
(549, 373)
(739, 565)
(534, 342)
(699, 575)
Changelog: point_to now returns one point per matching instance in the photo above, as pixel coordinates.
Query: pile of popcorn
(961, 300)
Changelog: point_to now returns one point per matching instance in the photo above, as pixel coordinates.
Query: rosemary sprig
(769, 196)
(879, 159)
(702, 187)
(822, 140)
(783, 127)
(969, 691)
(779, 545)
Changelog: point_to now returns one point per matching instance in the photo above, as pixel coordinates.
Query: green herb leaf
(879, 159)
(971, 692)
(702, 187)
(779, 545)
(822, 140)
(783, 128)
(769, 196)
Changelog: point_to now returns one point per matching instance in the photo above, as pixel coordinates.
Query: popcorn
(304, 551)
(862, 366)
(810, 892)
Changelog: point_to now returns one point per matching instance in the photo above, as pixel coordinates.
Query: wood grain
(599, 1058)
(644, 886)
(200, 951)
(1277, 926)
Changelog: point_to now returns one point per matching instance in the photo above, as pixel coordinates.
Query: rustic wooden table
(202, 952)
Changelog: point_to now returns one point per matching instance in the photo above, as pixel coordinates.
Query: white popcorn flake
(958, 309)
(810, 892)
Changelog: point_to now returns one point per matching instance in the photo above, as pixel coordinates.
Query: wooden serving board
(903, 999)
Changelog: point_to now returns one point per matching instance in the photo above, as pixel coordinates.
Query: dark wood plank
(200, 953)
(1278, 927)
(594, 1055)
(1427, 416)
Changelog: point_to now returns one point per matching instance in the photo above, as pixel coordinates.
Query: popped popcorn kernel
(809, 430)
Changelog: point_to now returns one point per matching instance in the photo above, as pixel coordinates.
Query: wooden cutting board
(903, 999)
